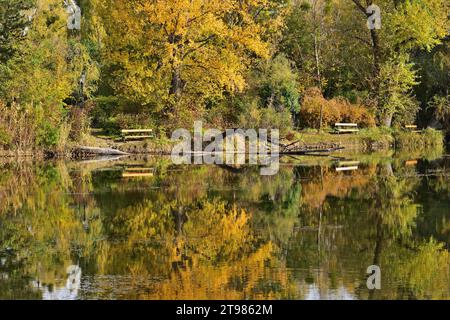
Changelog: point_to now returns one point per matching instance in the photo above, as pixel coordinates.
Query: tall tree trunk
(376, 54)
(317, 58)
(176, 83)
(387, 121)
(319, 80)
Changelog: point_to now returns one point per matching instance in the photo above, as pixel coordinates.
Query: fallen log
(102, 159)
(311, 151)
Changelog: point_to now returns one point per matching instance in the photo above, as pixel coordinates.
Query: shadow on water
(143, 228)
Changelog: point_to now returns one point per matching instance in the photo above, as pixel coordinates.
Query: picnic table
(346, 127)
(136, 134)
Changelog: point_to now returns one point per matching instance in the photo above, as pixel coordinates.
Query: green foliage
(428, 138)
(41, 75)
(277, 85)
(441, 109)
(13, 23)
(397, 79)
(5, 138)
(305, 41)
(416, 24)
(330, 45)
(256, 117)
(47, 135)
(229, 63)
(378, 137)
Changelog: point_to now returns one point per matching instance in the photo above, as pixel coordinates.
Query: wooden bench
(412, 128)
(130, 170)
(346, 127)
(411, 162)
(347, 165)
(136, 134)
(136, 172)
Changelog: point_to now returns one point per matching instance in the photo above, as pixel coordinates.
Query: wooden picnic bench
(136, 172)
(346, 127)
(347, 165)
(412, 128)
(136, 134)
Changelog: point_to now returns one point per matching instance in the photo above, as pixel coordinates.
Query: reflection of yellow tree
(175, 242)
(218, 234)
(219, 259)
(141, 240)
(45, 229)
(235, 279)
(216, 254)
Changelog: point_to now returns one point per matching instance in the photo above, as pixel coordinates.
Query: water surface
(146, 229)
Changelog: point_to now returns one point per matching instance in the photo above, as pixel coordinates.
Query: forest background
(287, 64)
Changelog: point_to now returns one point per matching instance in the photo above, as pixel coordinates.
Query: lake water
(143, 228)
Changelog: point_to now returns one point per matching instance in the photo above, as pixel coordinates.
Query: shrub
(277, 84)
(377, 137)
(80, 121)
(225, 115)
(440, 105)
(419, 141)
(5, 138)
(24, 127)
(47, 135)
(334, 110)
(18, 126)
(266, 118)
(104, 108)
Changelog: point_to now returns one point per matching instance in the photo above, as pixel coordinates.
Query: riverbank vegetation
(287, 64)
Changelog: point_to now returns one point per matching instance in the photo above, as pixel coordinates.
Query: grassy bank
(366, 140)
(377, 139)
(417, 141)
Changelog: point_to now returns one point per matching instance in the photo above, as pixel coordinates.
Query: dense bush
(334, 110)
(25, 128)
(18, 126)
(276, 84)
(47, 135)
(266, 118)
(441, 107)
(377, 137)
(419, 141)
(5, 138)
(80, 121)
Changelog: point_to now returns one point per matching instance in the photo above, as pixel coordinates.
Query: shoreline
(360, 142)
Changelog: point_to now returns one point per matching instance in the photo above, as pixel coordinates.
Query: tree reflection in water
(72, 230)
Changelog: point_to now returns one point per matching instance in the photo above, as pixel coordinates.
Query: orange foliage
(335, 184)
(334, 110)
